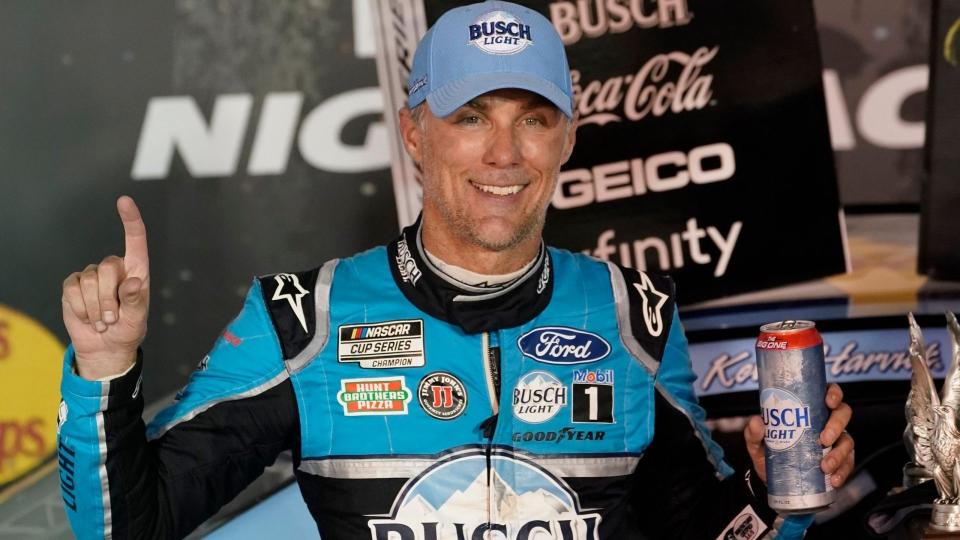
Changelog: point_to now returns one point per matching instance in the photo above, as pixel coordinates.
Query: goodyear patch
(391, 344)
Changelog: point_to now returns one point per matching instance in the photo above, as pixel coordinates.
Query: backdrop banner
(875, 79)
(250, 134)
(703, 148)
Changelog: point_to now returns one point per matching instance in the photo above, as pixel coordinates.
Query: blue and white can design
(562, 345)
(792, 389)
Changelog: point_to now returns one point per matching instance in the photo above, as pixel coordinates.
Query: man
(463, 382)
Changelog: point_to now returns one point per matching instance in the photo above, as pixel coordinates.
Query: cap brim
(453, 95)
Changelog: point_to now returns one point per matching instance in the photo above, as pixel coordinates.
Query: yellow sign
(30, 366)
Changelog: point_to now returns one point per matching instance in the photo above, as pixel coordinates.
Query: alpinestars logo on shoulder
(289, 289)
(653, 301)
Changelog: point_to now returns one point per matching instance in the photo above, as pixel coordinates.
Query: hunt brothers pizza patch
(391, 344)
(375, 396)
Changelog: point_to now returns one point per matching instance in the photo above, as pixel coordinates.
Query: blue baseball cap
(475, 49)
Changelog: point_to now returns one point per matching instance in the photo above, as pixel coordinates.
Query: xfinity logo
(561, 345)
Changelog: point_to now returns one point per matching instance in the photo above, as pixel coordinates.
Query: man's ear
(411, 133)
(571, 138)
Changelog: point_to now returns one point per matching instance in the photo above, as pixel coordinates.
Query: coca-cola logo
(562, 345)
(648, 92)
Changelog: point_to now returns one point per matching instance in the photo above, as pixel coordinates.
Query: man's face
(490, 168)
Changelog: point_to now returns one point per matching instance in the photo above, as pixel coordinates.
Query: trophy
(932, 437)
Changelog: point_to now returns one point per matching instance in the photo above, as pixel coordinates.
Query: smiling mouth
(502, 191)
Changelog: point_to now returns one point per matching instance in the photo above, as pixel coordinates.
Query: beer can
(793, 385)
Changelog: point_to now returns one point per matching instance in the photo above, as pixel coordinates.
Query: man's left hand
(838, 463)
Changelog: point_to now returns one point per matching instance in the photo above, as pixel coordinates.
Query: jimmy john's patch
(391, 344)
(442, 395)
(377, 396)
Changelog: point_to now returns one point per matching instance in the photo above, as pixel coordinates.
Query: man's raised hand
(105, 306)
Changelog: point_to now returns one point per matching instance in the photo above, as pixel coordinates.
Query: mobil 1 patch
(391, 344)
(592, 396)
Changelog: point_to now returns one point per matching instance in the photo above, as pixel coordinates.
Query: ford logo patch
(561, 345)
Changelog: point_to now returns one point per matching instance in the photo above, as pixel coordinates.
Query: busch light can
(793, 386)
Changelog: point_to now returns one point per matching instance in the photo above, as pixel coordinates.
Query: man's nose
(503, 147)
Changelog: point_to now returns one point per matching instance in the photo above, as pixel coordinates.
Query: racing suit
(559, 405)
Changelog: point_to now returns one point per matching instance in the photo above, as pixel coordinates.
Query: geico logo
(660, 172)
(20, 438)
(595, 18)
(213, 148)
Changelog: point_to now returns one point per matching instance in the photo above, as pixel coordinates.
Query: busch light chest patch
(471, 495)
(392, 344)
(562, 345)
(538, 397)
(375, 396)
(785, 418)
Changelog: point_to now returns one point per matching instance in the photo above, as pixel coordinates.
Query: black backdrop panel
(940, 222)
(703, 148)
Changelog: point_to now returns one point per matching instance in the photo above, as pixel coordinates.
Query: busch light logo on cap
(785, 418)
(561, 345)
(500, 32)
(458, 498)
(538, 397)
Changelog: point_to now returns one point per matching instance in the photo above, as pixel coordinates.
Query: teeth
(498, 190)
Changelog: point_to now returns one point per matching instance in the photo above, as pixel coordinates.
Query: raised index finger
(135, 256)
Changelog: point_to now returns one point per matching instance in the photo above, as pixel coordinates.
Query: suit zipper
(489, 426)
(488, 370)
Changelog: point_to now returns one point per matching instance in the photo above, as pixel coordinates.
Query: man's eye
(470, 119)
(533, 121)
